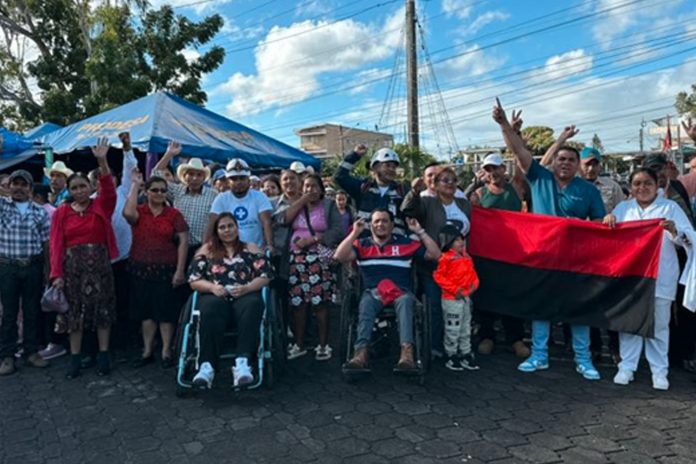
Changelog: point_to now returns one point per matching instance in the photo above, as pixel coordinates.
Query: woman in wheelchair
(229, 275)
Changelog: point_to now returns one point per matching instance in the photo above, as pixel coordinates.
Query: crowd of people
(127, 253)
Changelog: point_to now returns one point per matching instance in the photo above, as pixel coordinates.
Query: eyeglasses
(156, 190)
(447, 180)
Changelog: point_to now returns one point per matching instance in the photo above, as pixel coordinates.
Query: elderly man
(58, 175)
(555, 192)
(192, 197)
(382, 191)
(385, 257)
(251, 208)
(24, 231)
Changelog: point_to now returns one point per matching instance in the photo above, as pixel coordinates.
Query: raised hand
(125, 140)
(173, 148)
(418, 185)
(516, 121)
(360, 149)
(499, 115)
(569, 132)
(101, 149)
(690, 129)
(137, 178)
(414, 226)
(359, 227)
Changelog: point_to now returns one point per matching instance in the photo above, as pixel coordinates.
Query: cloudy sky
(600, 64)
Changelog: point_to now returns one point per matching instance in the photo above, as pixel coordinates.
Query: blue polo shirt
(579, 199)
(391, 261)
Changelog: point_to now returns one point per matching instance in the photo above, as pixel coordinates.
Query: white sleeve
(218, 206)
(129, 163)
(682, 223)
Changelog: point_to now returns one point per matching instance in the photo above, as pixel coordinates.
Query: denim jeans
(541, 331)
(371, 306)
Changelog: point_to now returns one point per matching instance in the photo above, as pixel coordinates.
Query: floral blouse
(239, 270)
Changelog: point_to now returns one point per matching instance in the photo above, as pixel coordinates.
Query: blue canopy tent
(39, 132)
(158, 118)
(14, 149)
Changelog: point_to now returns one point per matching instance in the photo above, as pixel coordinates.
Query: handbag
(54, 301)
(324, 252)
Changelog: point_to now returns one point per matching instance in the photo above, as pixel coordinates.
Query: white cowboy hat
(60, 168)
(194, 164)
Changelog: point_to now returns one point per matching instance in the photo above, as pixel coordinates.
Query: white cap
(384, 155)
(298, 167)
(237, 167)
(494, 159)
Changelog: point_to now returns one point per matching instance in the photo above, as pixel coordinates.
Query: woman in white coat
(646, 202)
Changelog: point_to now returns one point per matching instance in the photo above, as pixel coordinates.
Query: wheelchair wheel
(348, 325)
(186, 348)
(275, 334)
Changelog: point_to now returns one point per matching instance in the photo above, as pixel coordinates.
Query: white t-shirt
(454, 213)
(22, 207)
(247, 210)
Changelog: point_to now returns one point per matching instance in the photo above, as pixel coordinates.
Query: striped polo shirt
(390, 261)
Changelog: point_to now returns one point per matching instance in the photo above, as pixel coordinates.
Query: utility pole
(412, 74)
(642, 125)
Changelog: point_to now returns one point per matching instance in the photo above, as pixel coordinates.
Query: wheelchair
(384, 332)
(270, 356)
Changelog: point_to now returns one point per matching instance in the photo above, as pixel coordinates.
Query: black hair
(154, 180)
(272, 178)
(77, 175)
(42, 190)
(382, 210)
(648, 171)
(569, 148)
(317, 178)
(431, 164)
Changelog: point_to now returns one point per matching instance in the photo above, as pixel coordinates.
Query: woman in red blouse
(82, 245)
(156, 263)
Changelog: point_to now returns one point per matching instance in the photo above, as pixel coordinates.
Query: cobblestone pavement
(494, 415)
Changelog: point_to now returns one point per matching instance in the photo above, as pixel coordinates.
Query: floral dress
(237, 270)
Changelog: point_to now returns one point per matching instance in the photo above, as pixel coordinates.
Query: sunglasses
(157, 190)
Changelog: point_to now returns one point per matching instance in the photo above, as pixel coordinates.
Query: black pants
(596, 340)
(20, 284)
(682, 327)
(514, 326)
(216, 315)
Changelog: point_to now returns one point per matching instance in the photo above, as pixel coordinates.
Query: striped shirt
(22, 236)
(391, 261)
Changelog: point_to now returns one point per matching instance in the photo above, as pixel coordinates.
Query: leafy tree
(686, 103)
(597, 143)
(92, 58)
(577, 145)
(539, 139)
(413, 160)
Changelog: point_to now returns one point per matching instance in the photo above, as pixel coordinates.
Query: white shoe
(660, 382)
(241, 373)
(623, 377)
(296, 352)
(205, 376)
(322, 353)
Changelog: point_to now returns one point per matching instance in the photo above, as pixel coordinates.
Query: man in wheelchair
(385, 260)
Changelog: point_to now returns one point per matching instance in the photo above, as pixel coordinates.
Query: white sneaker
(241, 373)
(205, 376)
(623, 377)
(322, 353)
(296, 352)
(660, 382)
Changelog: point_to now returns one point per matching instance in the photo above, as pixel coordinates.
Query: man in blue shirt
(555, 192)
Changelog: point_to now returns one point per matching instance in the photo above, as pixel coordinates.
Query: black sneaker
(453, 363)
(468, 361)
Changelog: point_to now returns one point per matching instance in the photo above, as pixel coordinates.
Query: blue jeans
(371, 306)
(541, 331)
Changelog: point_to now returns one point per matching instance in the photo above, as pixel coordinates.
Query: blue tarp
(38, 132)
(156, 119)
(14, 149)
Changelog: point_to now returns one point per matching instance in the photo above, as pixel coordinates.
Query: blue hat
(590, 153)
(219, 174)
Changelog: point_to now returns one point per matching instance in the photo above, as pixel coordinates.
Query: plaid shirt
(22, 236)
(194, 208)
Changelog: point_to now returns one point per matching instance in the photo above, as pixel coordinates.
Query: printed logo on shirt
(395, 251)
(241, 213)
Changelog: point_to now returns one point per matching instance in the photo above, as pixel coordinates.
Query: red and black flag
(549, 268)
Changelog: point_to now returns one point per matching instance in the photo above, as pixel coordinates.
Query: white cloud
(459, 8)
(290, 60)
(471, 61)
(624, 15)
(196, 5)
(564, 65)
(483, 20)
(190, 54)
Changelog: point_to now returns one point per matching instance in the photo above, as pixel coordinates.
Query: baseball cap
(494, 159)
(589, 154)
(449, 233)
(298, 167)
(237, 167)
(219, 174)
(22, 174)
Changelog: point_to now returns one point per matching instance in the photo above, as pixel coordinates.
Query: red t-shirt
(154, 236)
